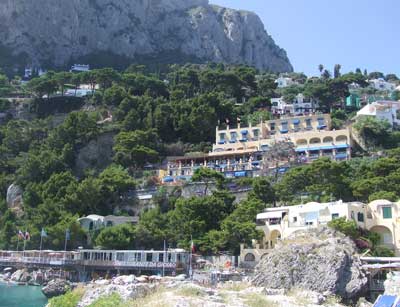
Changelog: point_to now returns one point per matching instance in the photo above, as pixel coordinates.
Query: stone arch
(315, 141)
(342, 138)
(249, 257)
(302, 142)
(328, 139)
(385, 234)
(274, 237)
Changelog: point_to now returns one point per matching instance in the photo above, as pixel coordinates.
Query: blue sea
(21, 296)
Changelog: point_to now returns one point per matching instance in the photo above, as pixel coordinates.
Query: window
(284, 127)
(308, 123)
(387, 212)
(149, 257)
(233, 136)
(387, 238)
(256, 133)
(120, 256)
(249, 257)
(138, 257)
(161, 257)
(352, 215)
(360, 217)
(272, 126)
(294, 219)
(309, 223)
(335, 216)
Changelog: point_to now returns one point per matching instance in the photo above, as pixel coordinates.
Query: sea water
(21, 296)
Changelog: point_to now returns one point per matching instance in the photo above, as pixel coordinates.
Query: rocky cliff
(58, 32)
(321, 260)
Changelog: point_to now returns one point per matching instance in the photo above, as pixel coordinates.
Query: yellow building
(241, 151)
(380, 216)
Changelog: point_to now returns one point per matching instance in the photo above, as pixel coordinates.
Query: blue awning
(342, 146)
(244, 132)
(221, 142)
(296, 121)
(256, 163)
(321, 126)
(282, 170)
(240, 174)
(284, 131)
(301, 149)
(264, 147)
(284, 123)
(168, 179)
(385, 301)
(329, 147)
(222, 165)
(232, 141)
(243, 140)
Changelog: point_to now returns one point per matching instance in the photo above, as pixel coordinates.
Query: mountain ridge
(55, 34)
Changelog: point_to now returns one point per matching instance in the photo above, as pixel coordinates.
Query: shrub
(113, 300)
(349, 228)
(70, 299)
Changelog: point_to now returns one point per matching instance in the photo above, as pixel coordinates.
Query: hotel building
(243, 151)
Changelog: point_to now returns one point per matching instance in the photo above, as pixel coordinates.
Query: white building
(285, 82)
(383, 110)
(381, 85)
(78, 92)
(379, 216)
(79, 68)
(299, 106)
(96, 222)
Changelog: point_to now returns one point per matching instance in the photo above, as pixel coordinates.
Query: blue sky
(353, 33)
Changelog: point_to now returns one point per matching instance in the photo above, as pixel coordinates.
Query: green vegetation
(71, 299)
(116, 237)
(365, 240)
(153, 115)
(112, 300)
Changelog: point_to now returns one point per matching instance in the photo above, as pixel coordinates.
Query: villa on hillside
(299, 106)
(382, 85)
(283, 82)
(244, 151)
(97, 222)
(380, 216)
(383, 110)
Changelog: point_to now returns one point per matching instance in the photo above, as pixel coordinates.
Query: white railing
(61, 262)
(136, 264)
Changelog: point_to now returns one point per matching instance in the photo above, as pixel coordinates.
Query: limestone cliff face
(56, 32)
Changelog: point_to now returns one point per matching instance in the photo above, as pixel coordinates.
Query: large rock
(97, 154)
(126, 292)
(18, 275)
(14, 199)
(56, 287)
(167, 31)
(320, 260)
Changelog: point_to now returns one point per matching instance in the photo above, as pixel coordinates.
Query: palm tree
(321, 68)
(336, 71)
